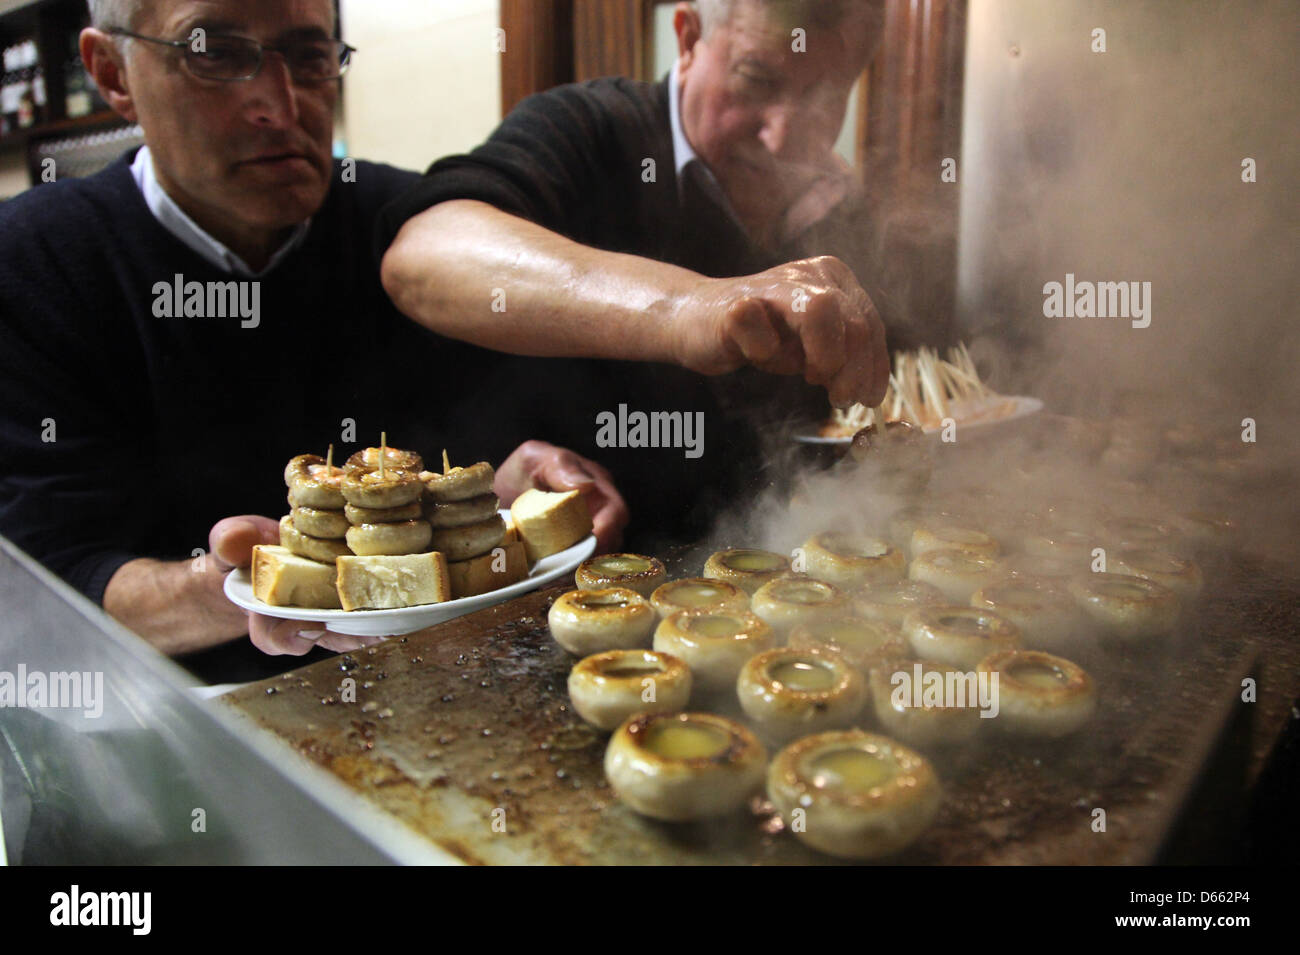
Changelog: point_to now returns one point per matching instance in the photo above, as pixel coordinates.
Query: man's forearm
(557, 298)
(174, 606)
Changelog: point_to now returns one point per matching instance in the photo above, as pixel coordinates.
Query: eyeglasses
(229, 58)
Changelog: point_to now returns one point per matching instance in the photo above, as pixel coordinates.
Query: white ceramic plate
(973, 413)
(382, 623)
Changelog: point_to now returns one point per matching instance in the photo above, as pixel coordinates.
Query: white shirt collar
(174, 219)
(684, 155)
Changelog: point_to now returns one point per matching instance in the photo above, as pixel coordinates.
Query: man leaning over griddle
(647, 233)
(129, 428)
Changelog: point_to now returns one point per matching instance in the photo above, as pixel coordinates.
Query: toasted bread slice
(489, 572)
(549, 522)
(512, 532)
(387, 582)
(283, 579)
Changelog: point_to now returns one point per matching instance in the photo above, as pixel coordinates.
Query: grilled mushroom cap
(789, 601)
(698, 593)
(396, 538)
(684, 766)
(959, 636)
(1040, 694)
(890, 603)
(1127, 608)
(593, 621)
(1043, 610)
(930, 536)
(907, 706)
(633, 571)
(861, 795)
(608, 688)
(714, 644)
(394, 488)
(459, 484)
(955, 573)
(395, 458)
(1181, 576)
(897, 434)
(312, 484)
(861, 642)
(789, 692)
(849, 560)
(748, 569)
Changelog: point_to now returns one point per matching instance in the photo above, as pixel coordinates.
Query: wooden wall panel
(911, 123)
(610, 38)
(539, 48)
(914, 108)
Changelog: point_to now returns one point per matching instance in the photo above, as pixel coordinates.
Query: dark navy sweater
(577, 160)
(162, 426)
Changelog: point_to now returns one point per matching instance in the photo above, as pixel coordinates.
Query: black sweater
(574, 159)
(162, 426)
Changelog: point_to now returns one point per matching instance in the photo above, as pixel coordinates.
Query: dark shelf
(104, 117)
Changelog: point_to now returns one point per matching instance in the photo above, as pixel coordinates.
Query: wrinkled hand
(231, 542)
(808, 318)
(536, 464)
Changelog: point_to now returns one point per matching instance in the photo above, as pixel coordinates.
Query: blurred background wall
(1126, 165)
(427, 79)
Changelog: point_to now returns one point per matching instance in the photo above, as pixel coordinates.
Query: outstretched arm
(470, 271)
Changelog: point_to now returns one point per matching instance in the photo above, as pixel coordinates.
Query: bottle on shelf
(40, 97)
(26, 75)
(9, 91)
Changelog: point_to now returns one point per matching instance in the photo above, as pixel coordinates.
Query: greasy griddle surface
(465, 729)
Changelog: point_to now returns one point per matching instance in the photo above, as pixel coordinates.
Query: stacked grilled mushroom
(464, 514)
(380, 532)
(316, 526)
(382, 491)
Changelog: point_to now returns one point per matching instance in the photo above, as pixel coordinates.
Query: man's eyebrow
(213, 26)
(304, 33)
(231, 28)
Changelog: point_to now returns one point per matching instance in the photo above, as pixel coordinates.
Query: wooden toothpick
(383, 452)
(446, 464)
(329, 462)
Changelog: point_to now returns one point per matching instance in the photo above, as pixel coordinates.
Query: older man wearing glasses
(176, 327)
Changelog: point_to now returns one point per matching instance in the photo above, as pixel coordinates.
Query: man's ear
(686, 23)
(106, 65)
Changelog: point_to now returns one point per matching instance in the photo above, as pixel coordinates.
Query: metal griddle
(465, 729)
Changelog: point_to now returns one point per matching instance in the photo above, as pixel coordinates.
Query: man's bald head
(809, 14)
(124, 14)
(764, 89)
